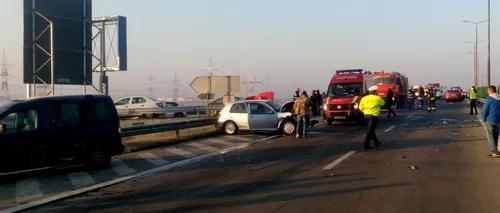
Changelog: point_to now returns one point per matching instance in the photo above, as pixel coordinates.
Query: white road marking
(156, 170)
(80, 179)
(152, 158)
(181, 152)
(390, 128)
(27, 190)
(219, 141)
(409, 116)
(339, 160)
(238, 138)
(203, 147)
(120, 168)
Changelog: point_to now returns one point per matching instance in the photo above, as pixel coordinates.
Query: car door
(65, 128)
(20, 138)
(122, 106)
(239, 114)
(262, 117)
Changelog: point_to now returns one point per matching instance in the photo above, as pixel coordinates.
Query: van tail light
(218, 116)
(158, 104)
(119, 129)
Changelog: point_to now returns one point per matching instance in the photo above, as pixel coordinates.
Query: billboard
(72, 38)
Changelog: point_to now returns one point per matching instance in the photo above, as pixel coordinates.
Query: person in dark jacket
(390, 102)
(320, 101)
(491, 118)
(314, 102)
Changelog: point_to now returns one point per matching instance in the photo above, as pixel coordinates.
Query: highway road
(426, 163)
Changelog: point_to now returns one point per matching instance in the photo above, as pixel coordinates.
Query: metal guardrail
(155, 128)
(170, 110)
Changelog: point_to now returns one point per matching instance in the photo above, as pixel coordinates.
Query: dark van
(49, 130)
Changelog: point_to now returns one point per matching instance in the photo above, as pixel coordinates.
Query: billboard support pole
(102, 74)
(84, 47)
(32, 92)
(52, 87)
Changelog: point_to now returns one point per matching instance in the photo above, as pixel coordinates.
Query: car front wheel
(288, 127)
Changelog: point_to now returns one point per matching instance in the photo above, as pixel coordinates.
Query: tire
(289, 127)
(97, 158)
(328, 122)
(230, 128)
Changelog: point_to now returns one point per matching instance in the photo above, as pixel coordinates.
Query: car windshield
(275, 105)
(384, 80)
(345, 89)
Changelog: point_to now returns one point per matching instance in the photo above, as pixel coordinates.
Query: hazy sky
(289, 40)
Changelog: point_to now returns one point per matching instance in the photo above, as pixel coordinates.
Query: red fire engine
(346, 89)
(395, 81)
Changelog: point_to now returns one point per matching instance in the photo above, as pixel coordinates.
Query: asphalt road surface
(427, 163)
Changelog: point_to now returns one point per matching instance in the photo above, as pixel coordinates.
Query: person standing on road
(431, 100)
(411, 99)
(296, 94)
(314, 101)
(301, 109)
(473, 97)
(491, 118)
(420, 97)
(390, 102)
(370, 106)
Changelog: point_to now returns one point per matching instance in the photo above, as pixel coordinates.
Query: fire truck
(346, 89)
(395, 81)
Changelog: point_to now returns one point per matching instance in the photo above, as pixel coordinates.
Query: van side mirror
(2, 128)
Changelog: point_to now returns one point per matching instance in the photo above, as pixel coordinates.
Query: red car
(454, 95)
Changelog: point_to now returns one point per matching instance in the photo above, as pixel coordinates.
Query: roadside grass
(155, 140)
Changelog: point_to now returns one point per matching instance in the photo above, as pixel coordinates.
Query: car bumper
(342, 115)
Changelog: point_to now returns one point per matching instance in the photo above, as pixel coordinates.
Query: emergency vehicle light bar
(349, 71)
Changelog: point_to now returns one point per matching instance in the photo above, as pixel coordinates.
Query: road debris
(413, 167)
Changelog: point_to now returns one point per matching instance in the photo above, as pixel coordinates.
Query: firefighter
(431, 100)
(411, 99)
(420, 97)
(426, 95)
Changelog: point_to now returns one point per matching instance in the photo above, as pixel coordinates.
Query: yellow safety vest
(473, 95)
(371, 104)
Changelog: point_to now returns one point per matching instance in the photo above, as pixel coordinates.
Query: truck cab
(345, 91)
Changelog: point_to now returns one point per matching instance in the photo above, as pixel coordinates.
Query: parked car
(49, 130)
(147, 107)
(257, 116)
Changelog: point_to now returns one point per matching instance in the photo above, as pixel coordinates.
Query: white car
(142, 106)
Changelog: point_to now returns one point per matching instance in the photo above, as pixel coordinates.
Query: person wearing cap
(370, 105)
(472, 97)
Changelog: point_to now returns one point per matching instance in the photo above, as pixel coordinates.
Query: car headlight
(356, 106)
(325, 107)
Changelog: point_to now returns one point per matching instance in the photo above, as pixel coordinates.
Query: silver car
(257, 116)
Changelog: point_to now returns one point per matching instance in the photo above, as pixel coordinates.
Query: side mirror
(2, 128)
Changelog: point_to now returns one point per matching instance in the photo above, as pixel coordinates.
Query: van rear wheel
(97, 158)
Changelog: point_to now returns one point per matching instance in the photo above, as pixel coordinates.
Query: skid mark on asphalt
(17, 192)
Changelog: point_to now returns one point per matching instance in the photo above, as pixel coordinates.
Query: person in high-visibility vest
(370, 106)
(426, 94)
(473, 97)
(431, 100)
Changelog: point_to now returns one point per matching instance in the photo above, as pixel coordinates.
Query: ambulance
(346, 89)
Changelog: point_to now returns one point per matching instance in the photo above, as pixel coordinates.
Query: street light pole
(489, 46)
(475, 51)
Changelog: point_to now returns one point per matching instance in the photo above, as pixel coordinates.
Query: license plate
(339, 117)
